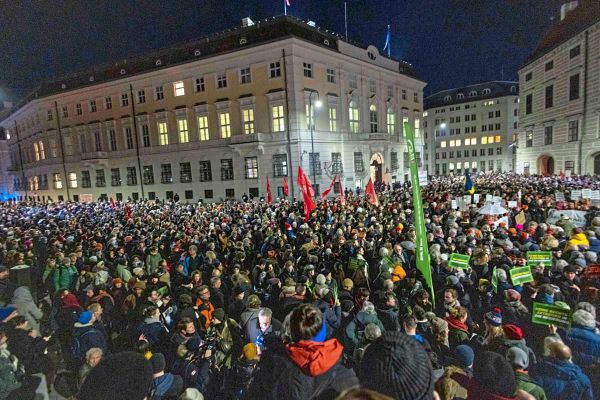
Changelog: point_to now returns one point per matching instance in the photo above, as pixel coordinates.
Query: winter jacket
(25, 306)
(123, 273)
(458, 332)
(302, 371)
(152, 263)
(526, 384)
(166, 386)
(448, 387)
(64, 277)
(248, 315)
(85, 337)
(514, 312)
(585, 345)
(154, 331)
(254, 333)
(594, 244)
(356, 327)
(562, 380)
(389, 318)
(8, 377)
(332, 315)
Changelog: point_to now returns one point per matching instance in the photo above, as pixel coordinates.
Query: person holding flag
(370, 192)
(469, 187)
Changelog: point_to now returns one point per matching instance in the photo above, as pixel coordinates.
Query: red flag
(342, 195)
(307, 193)
(326, 191)
(304, 182)
(370, 191)
(269, 195)
(562, 174)
(112, 203)
(285, 187)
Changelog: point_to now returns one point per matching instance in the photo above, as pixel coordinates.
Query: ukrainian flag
(469, 187)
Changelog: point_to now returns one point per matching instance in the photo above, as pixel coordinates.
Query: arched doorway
(546, 165)
(597, 165)
(376, 167)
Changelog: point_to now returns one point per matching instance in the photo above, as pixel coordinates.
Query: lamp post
(311, 122)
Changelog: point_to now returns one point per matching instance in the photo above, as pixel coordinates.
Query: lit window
(182, 127)
(57, 181)
(251, 167)
(225, 125)
(203, 127)
(179, 88)
(443, 143)
(391, 121)
(36, 151)
(452, 143)
(458, 142)
(418, 127)
(278, 118)
(473, 141)
(373, 119)
(163, 134)
(498, 138)
(490, 139)
(484, 140)
(333, 119)
(467, 142)
(73, 180)
(248, 117)
(353, 117)
(451, 166)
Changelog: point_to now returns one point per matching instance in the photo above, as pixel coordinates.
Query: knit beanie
(121, 376)
(494, 373)
(464, 356)
(158, 363)
(398, 366)
(584, 318)
(250, 352)
(494, 317)
(518, 358)
(512, 332)
(584, 305)
(85, 317)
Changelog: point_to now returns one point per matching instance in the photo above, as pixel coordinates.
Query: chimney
(567, 8)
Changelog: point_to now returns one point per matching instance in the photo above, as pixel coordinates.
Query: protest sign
(559, 196)
(577, 217)
(521, 275)
(512, 204)
(592, 271)
(460, 261)
(488, 198)
(575, 194)
(549, 314)
(595, 195)
(454, 204)
(586, 193)
(476, 198)
(539, 257)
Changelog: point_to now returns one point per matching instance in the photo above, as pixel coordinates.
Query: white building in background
(471, 128)
(212, 118)
(560, 96)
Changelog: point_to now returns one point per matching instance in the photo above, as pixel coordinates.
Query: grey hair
(372, 332)
(265, 312)
(93, 350)
(368, 307)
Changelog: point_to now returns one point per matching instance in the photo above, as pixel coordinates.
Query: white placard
(575, 194)
(488, 198)
(423, 178)
(497, 199)
(512, 204)
(559, 196)
(476, 198)
(454, 204)
(595, 195)
(577, 217)
(467, 199)
(586, 193)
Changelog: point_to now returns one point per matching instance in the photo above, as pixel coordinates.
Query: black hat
(237, 290)
(494, 373)
(158, 363)
(122, 376)
(219, 314)
(397, 365)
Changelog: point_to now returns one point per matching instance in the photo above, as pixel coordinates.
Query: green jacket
(64, 277)
(152, 262)
(8, 379)
(526, 384)
(123, 273)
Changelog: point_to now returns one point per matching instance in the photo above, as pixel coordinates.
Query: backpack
(191, 374)
(77, 348)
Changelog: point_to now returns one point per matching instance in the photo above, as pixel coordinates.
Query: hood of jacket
(162, 384)
(22, 295)
(315, 358)
(366, 319)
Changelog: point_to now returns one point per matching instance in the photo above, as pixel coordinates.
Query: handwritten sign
(488, 198)
(476, 198)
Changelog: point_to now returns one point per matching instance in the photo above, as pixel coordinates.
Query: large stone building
(560, 96)
(5, 185)
(471, 128)
(213, 118)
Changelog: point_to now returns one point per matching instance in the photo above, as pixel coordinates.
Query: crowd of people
(249, 300)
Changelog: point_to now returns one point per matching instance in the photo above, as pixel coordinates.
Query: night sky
(449, 42)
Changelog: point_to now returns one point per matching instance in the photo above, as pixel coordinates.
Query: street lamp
(311, 120)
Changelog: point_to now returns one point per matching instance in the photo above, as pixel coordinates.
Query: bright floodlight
(318, 103)
(443, 125)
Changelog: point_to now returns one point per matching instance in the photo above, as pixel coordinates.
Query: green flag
(422, 249)
(495, 280)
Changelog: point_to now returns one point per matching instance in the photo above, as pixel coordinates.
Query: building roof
(230, 40)
(576, 21)
(466, 94)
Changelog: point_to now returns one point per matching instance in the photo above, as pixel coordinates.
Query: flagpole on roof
(346, 19)
(284, 7)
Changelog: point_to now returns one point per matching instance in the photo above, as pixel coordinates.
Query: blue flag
(469, 187)
(388, 38)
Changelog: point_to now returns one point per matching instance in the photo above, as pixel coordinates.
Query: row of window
(574, 93)
(549, 65)
(469, 129)
(471, 141)
(467, 166)
(459, 153)
(474, 93)
(572, 134)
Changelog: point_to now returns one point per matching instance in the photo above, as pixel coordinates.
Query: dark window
(548, 135)
(575, 51)
(498, 150)
(528, 76)
(119, 196)
(482, 152)
(569, 165)
(208, 194)
(574, 87)
(394, 160)
(189, 194)
(129, 138)
(205, 171)
(86, 181)
(166, 175)
(359, 165)
(227, 169)
(151, 195)
(145, 136)
(100, 178)
(185, 172)
(573, 131)
(497, 113)
(528, 104)
(135, 196)
(229, 193)
(148, 175)
(131, 176)
(491, 151)
(549, 96)
(169, 195)
(549, 65)
(115, 177)
(280, 167)
(314, 164)
(253, 192)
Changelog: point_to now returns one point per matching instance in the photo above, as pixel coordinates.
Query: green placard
(548, 314)
(495, 280)
(539, 257)
(521, 275)
(459, 261)
(388, 262)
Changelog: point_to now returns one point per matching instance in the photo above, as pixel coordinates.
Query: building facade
(212, 119)
(472, 128)
(560, 96)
